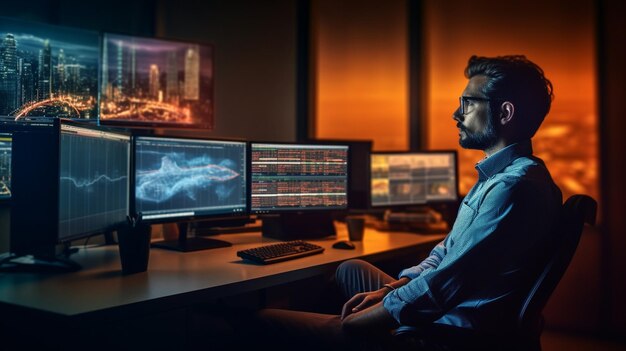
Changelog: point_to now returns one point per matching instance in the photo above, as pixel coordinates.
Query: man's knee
(349, 268)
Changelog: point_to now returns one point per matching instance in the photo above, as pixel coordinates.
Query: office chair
(575, 212)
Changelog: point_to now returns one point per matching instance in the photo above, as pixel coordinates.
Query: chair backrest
(576, 211)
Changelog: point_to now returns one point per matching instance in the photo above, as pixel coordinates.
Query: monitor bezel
(105, 229)
(188, 218)
(284, 211)
(155, 125)
(426, 203)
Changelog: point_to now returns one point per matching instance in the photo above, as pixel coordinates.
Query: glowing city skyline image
(154, 82)
(48, 71)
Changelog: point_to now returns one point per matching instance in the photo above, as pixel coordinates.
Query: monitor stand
(185, 244)
(293, 226)
(243, 224)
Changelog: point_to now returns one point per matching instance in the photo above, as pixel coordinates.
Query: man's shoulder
(526, 172)
(527, 167)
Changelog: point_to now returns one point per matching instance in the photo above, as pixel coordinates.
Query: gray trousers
(297, 330)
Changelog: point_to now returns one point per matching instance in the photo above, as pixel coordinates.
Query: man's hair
(518, 80)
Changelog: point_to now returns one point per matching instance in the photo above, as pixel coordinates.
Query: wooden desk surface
(177, 279)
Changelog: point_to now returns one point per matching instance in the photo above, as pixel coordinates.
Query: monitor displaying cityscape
(413, 178)
(94, 167)
(156, 83)
(292, 177)
(186, 178)
(48, 71)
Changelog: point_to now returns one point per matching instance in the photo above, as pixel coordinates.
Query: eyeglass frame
(475, 98)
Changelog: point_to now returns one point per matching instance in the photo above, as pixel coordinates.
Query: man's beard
(482, 140)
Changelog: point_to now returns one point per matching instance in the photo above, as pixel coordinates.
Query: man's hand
(361, 301)
(372, 319)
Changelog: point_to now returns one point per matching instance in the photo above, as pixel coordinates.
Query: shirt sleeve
(502, 230)
(432, 261)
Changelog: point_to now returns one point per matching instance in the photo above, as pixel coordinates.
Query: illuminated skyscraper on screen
(8, 74)
(192, 74)
(45, 71)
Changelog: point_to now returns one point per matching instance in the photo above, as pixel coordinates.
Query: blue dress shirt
(479, 275)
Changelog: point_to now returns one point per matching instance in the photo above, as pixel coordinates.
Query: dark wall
(255, 61)
(131, 17)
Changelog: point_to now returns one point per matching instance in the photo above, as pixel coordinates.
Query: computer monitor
(5, 165)
(48, 71)
(181, 179)
(69, 182)
(7, 127)
(156, 83)
(301, 183)
(358, 170)
(94, 169)
(404, 179)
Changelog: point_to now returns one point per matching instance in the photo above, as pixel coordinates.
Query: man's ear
(507, 111)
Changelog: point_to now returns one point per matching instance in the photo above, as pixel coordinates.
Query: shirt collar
(498, 161)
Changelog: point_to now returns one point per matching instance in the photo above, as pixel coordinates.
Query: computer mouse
(344, 245)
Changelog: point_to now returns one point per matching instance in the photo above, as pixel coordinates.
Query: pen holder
(356, 227)
(134, 247)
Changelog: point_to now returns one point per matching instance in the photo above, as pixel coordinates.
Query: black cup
(134, 246)
(356, 227)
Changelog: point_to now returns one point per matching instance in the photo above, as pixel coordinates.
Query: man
(478, 276)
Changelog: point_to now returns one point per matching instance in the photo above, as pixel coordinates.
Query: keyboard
(280, 252)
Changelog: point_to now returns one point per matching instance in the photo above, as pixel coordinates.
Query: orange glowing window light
(360, 75)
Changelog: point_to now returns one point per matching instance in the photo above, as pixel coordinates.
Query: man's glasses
(464, 102)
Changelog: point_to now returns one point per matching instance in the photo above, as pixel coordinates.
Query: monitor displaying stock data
(413, 178)
(298, 177)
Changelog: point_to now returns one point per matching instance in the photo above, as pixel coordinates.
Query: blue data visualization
(185, 177)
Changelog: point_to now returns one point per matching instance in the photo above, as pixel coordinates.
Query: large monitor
(413, 178)
(48, 71)
(294, 180)
(182, 179)
(69, 182)
(151, 83)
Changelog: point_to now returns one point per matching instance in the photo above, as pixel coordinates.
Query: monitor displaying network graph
(178, 178)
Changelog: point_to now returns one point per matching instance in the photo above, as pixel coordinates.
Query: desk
(100, 293)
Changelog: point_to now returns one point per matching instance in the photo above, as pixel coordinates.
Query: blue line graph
(84, 183)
